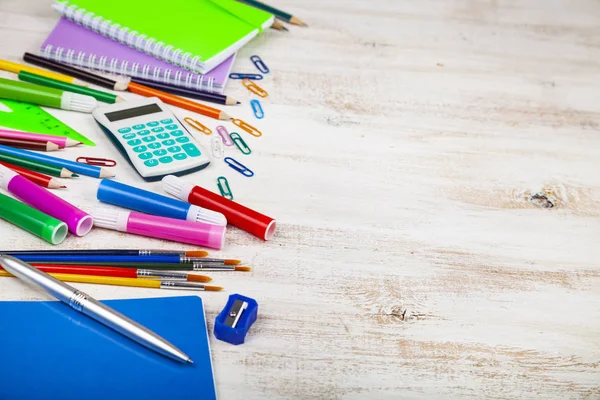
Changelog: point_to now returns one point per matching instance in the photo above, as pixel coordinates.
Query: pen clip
(198, 125)
(257, 108)
(223, 186)
(238, 75)
(239, 142)
(101, 162)
(222, 131)
(246, 126)
(238, 166)
(254, 88)
(259, 64)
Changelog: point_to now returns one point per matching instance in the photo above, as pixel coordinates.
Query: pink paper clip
(102, 162)
(222, 131)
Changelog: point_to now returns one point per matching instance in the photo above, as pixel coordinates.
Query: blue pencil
(78, 168)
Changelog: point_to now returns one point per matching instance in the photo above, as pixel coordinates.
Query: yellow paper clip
(254, 88)
(197, 125)
(247, 127)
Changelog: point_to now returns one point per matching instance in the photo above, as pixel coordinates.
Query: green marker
(43, 96)
(69, 87)
(33, 221)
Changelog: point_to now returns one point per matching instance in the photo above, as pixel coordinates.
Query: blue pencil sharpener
(237, 317)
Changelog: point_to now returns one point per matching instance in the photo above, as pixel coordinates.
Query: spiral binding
(129, 37)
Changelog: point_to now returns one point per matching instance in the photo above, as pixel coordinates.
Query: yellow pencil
(10, 66)
(146, 283)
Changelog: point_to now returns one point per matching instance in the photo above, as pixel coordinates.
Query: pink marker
(177, 230)
(38, 137)
(79, 222)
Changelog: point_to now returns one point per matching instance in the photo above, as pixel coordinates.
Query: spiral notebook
(74, 44)
(195, 34)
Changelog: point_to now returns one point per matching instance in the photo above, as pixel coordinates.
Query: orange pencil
(177, 101)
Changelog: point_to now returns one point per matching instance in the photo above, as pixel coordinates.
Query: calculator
(151, 137)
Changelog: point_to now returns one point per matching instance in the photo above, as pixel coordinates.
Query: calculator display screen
(133, 112)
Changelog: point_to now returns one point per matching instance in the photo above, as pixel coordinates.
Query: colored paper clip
(216, 144)
(234, 321)
(101, 162)
(223, 186)
(254, 88)
(257, 108)
(239, 142)
(246, 126)
(237, 75)
(197, 125)
(238, 166)
(259, 64)
(222, 131)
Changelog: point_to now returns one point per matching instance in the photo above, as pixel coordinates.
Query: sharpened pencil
(186, 92)
(278, 13)
(37, 166)
(36, 177)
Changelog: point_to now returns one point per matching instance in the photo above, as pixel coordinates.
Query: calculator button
(160, 152)
(163, 136)
(176, 133)
(182, 139)
(169, 142)
(139, 149)
(144, 132)
(145, 156)
(171, 127)
(139, 126)
(159, 129)
(153, 123)
(191, 150)
(134, 142)
(166, 121)
(129, 136)
(154, 145)
(151, 163)
(180, 156)
(174, 149)
(149, 139)
(165, 160)
(124, 130)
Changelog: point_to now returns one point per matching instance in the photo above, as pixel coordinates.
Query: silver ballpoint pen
(92, 308)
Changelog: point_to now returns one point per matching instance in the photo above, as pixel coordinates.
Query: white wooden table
(403, 141)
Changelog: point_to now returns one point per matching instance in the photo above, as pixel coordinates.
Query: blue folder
(49, 351)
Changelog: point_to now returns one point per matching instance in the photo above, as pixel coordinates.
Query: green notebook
(196, 34)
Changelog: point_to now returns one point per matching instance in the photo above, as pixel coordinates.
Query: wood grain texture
(403, 143)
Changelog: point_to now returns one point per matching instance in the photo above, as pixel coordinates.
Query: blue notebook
(50, 351)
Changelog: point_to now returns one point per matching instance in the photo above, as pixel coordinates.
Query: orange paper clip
(197, 125)
(254, 88)
(247, 127)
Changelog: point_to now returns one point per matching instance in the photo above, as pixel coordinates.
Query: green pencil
(69, 87)
(278, 13)
(37, 166)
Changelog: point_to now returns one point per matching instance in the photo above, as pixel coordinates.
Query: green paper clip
(223, 186)
(239, 142)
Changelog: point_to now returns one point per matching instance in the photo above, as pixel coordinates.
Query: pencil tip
(239, 102)
(189, 361)
(63, 187)
(74, 175)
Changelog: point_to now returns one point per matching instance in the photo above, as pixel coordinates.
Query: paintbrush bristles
(198, 278)
(213, 288)
(196, 253)
(232, 262)
(243, 268)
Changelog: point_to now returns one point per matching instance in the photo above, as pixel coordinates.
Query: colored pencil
(109, 252)
(29, 144)
(117, 281)
(278, 13)
(80, 168)
(186, 92)
(36, 177)
(76, 72)
(37, 166)
(38, 137)
(16, 68)
(143, 265)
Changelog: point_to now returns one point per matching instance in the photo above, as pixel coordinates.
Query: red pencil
(118, 272)
(29, 144)
(35, 177)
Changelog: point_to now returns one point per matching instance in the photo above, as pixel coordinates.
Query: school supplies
(239, 143)
(99, 362)
(236, 318)
(89, 306)
(186, 92)
(278, 13)
(56, 84)
(216, 145)
(36, 166)
(78, 221)
(66, 257)
(151, 138)
(254, 88)
(16, 68)
(224, 189)
(104, 162)
(61, 142)
(83, 169)
(222, 131)
(43, 96)
(191, 253)
(197, 233)
(239, 75)
(257, 109)
(35, 177)
(239, 167)
(259, 64)
(33, 221)
(207, 32)
(29, 144)
(247, 127)
(237, 215)
(198, 125)
(120, 194)
(75, 45)
(196, 266)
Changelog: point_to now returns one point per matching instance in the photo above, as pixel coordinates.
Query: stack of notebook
(189, 43)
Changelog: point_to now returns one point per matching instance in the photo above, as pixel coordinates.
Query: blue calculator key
(134, 142)
(191, 150)
(145, 156)
(165, 160)
(166, 121)
(149, 139)
(144, 132)
(159, 129)
(129, 136)
(182, 139)
(151, 163)
(154, 145)
(176, 133)
(163, 136)
(169, 142)
(153, 123)
(174, 149)
(124, 130)
(139, 149)
(139, 126)
(171, 127)
(160, 152)
(180, 156)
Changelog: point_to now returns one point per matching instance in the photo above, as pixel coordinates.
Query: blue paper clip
(235, 319)
(257, 108)
(238, 166)
(238, 75)
(259, 64)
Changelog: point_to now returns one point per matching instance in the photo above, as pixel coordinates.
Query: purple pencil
(38, 137)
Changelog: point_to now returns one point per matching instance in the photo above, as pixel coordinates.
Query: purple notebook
(73, 44)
